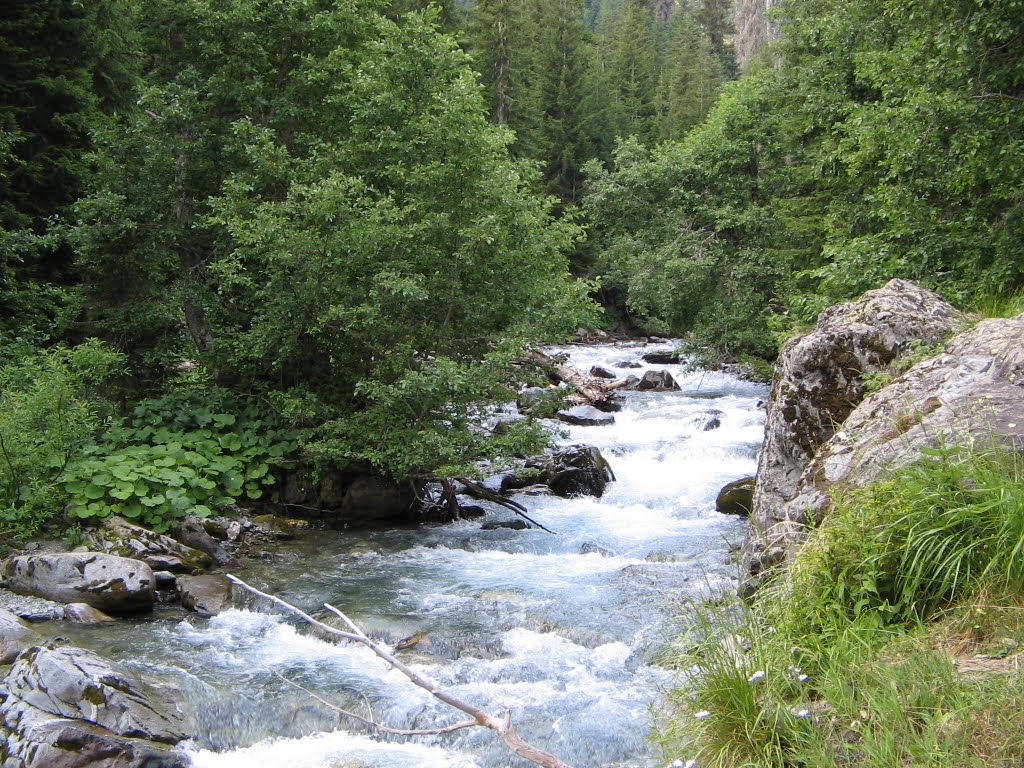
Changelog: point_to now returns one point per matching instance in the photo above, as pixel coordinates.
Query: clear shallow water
(562, 630)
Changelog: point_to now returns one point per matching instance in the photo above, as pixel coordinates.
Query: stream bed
(564, 630)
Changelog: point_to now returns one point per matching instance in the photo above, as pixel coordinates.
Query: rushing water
(561, 629)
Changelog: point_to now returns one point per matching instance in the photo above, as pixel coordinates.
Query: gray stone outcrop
(69, 708)
(114, 585)
(161, 553)
(207, 595)
(972, 390)
(586, 416)
(577, 470)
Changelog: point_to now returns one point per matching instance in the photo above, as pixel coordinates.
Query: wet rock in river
(70, 708)
(601, 373)
(114, 585)
(736, 498)
(81, 613)
(578, 470)
(708, 420)
(15, 636)
(515, 525)
(657, 381)
(662, 357)
(586, 416)
(207, 595)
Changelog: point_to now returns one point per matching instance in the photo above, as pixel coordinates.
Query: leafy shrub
(178, 455)
(50, 408)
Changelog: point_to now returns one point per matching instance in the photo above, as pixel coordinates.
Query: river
(563, 629)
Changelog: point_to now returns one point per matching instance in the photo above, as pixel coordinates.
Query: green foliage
(51, 407)
(911, 115)
(178, 455)
(941, 529)
(685, 230)
(313, 199)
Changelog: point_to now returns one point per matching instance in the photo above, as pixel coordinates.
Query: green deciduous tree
(312, 201)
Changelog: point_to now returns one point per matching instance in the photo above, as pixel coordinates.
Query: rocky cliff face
(818, 383)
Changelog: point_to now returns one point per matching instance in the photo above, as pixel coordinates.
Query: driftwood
(587, 389)
(501, 726)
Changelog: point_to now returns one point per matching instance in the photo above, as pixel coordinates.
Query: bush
(50, 408)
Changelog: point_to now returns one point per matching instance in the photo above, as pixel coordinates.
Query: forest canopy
(346, 218)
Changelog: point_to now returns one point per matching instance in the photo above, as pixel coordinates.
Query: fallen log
(587, 389)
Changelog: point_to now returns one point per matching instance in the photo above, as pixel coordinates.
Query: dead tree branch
(501, 726)
(477, 491)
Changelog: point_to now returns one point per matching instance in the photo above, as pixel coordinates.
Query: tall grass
(849, 659)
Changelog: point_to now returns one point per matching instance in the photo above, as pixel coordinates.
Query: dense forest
(236, 233)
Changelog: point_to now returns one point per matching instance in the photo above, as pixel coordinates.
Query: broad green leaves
(179, 455)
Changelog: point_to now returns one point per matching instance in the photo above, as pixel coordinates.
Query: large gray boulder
(15, 636)
(114, 585)
(972, 390)
(69, 708)
(207, 595)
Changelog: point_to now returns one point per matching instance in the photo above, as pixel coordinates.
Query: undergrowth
(893, 640)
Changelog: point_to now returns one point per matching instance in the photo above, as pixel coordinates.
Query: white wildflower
(702, 715)
(759, 675)
(801, 713)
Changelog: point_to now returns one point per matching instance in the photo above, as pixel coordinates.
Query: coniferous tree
(690, 80)
(560, 66)
(631, 73)
(65, 65)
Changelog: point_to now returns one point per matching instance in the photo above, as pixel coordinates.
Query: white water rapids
(562, 630)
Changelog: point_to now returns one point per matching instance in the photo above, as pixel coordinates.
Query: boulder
(627, 364)
(662, 357)
(81, 613)
(601, 373)
(15, 636)
(161, 553)
(586, 416)
(657, 381)
(708, 420)
(114, 585)
(192, 533)
(579, 470)
(822, 428)
(515, 525)
(736, 498)
(207, 595)
(69, 708)
(353, 497)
